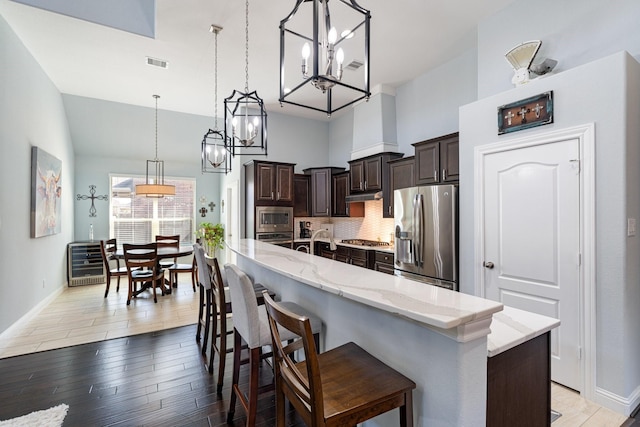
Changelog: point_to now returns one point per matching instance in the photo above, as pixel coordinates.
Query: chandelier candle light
(323, 56)
(154, 185)
(244, 114)
(214, 144)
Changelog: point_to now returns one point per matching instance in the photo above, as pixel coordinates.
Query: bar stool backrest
(204, 274)
(245, 306)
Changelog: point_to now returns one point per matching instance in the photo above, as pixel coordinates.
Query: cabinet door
(301, 195)
(373, 174)
(449, 160)
(401, 176)
(427, 163)
(321, 192)
(356, 174)
(340, 193)
(265, 180)
(284, 183)
(342, 255)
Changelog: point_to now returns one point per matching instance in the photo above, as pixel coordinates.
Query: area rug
(52, 417)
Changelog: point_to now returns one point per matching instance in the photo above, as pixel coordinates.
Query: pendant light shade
(154, 185)
(324, 62)
(245, 119)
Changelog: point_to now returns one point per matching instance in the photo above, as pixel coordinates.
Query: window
(139, 219)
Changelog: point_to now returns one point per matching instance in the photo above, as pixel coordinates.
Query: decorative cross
(93, 197)
(203, 211)
(509, 116)
(537, 109)
(523, 113)
(212, 205)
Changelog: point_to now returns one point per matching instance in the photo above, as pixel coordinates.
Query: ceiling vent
(157, 62)
(354, 65)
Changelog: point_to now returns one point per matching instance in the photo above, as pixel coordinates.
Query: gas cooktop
(362, 242)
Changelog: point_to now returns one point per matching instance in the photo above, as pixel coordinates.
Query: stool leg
(200, 312)
(237, 344)
(213, 319)
(254, 364)
(207, 321)
(222, 347)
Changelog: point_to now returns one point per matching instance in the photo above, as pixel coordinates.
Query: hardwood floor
(155, 379)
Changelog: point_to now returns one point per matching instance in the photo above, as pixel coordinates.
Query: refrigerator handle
(417, 221)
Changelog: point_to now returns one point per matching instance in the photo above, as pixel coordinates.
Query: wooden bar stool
(251, 325)
(341, 387)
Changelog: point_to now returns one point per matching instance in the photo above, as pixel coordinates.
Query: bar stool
(251, 325)
(340, 387)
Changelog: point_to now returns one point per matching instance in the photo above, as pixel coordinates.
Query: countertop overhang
(459, 316)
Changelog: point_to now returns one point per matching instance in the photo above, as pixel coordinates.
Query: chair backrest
(204, 271)
(303, 391)
(245, 306)
(218, 284)
(140, 256)
(168, 241)
(108, 250)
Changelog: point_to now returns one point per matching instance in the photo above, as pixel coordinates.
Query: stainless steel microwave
(274, 218)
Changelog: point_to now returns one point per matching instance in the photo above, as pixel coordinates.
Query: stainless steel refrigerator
(426, 234)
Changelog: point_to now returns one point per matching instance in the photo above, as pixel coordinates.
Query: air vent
(354, 65)
(157, 62)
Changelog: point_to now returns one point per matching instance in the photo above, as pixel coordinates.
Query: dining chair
(251, 326)
(143, 268)
(174, 267)
(107, 250)
(344, 386)
(214, 310)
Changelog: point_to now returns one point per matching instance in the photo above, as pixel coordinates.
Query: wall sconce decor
(92, 197)
(334, 50)
(526, 113)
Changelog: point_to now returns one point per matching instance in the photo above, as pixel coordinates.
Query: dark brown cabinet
(323, 249)
(270, 183)
(371, 174)
(321, 190)
(401, 175)
(361, 257)
(301, 195)
(384, 262)
(340, 190)
(436, 160)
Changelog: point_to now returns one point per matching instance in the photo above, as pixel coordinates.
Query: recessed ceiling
(408, 38)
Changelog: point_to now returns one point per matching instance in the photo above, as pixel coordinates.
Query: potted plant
(212, 237)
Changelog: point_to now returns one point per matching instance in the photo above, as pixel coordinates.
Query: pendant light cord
(246, 67)
(156, 97)
(215, 96)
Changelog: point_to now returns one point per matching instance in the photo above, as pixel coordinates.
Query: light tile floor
(82, 314)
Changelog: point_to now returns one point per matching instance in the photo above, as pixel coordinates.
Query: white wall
(594, 93)
(31, 114)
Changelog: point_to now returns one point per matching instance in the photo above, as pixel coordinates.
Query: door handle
(488, 265)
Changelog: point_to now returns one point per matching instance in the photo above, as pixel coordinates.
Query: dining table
(163, 252)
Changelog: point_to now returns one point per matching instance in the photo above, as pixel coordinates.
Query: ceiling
(408, 38)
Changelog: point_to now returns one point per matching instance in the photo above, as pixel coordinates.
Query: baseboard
(622, 405)
(17, 325)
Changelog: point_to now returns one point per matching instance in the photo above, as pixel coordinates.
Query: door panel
(531, 231)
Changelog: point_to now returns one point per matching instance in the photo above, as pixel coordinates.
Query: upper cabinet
(270, 183)
(371, 174)
(301, 195)
(321, 189)
(401, 175)
(436, 160)
(340, 207)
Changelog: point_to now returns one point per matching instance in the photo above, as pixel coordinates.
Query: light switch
(631, 227)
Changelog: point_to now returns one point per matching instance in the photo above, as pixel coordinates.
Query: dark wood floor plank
(154, 379)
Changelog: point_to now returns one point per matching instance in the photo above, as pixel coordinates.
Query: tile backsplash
(372, 227)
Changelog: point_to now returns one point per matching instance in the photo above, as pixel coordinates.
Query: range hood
(363, 197)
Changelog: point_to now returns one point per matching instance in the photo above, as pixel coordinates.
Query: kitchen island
(436, 337)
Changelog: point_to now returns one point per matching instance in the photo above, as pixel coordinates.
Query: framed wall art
(526, 113)
(46, 189)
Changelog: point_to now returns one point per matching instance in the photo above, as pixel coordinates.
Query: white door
(532, 238)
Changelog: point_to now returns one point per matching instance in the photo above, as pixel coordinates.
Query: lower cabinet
(84, 266)
(324, 250)
(361, 257)
(384, 262)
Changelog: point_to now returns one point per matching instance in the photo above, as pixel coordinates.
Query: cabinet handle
(278, 195)
(361, 185)
(327, 211)
(444, 174)
(365, 184)
(347, 210)
(272, 195)
(389, 209)
(435, 175)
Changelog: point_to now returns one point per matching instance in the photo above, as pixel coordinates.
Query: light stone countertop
(512, 327)
(429, 305)
(387, 249)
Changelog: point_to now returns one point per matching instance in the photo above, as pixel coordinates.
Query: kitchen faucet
(332, 243)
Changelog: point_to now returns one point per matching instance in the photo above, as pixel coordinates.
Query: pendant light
(154, 185)
(325, 83)
(214, 144)
(245, 118)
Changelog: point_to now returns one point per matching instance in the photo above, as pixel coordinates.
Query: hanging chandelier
(154, 185)
(214, 144)
(323, 52)
(245, 118)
